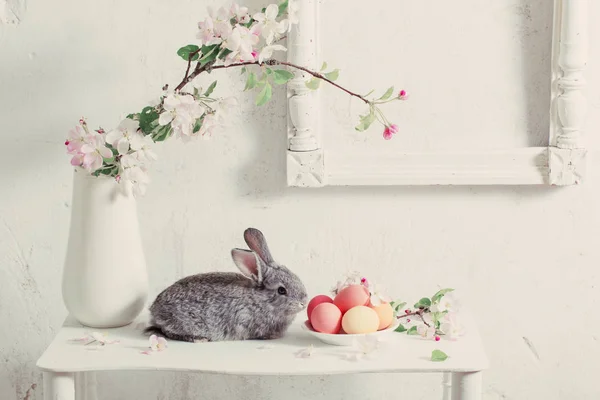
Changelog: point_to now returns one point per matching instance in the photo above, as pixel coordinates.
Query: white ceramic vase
(105, 281)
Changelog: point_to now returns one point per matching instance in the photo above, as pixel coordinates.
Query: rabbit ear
(257, 243)
(248, 263)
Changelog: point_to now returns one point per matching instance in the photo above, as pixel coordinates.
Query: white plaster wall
(525, 258)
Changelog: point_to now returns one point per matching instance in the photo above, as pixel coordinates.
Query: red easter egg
(315, 301)
(326, 318)
(351, 296)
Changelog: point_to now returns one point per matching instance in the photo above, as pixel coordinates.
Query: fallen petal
(305, 353)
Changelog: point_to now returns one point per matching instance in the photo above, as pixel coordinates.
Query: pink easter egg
(315, 301)
(351, 296)
(326, 318)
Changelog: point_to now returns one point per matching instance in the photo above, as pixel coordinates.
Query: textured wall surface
(524, 258)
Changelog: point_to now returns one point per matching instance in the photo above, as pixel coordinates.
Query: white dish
(344, 339)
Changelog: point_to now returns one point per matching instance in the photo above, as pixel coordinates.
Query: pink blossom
(437, 338)
(94, 151)
(364, 282)
(387, 134)
(77, 160)
(403, 95)
(254, 54)
(390, 131)
(76, 140)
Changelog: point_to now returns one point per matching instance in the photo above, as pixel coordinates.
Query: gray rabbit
(259, 303)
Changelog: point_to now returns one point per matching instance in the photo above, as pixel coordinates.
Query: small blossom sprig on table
(156, 344)
(100, 339)
(228, 38)
(432, 317)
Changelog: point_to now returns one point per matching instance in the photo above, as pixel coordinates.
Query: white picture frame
(561, 163)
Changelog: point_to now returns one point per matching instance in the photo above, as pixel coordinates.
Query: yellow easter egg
(360, 319)
(385, 312)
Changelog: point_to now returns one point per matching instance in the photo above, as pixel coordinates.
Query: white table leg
(59, 386)
(85, 386)
(446, 386)
(466, 385)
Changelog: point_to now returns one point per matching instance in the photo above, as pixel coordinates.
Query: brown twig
(320, 76)
(185, 79)
(199, 69)
(418, 313)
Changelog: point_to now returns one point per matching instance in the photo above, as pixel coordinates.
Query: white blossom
(267, 51)
(241, 43)
(120, 137)
(142, 145)
(452, 326)
(240, 13)
(268, 25)
(221, 22)
(181, 111)
(293, 7)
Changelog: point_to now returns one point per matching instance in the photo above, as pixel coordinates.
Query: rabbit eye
(281, 290)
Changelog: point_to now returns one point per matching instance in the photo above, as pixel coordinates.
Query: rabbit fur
(259, 303)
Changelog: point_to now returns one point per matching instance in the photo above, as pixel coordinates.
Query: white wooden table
(69, 365)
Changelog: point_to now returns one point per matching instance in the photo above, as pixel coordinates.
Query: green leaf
(400, 328)
(313, 84)
(438, 296)
(251, 81)
(209, 54)
(210, 89)
(423, 303)
(438, 355)
(366, 120)
(282, 8)
(412, 331)
(437, 316)
(224, 53)
(243, 71)
(135, 116)
(268, 71)
(368, 94)
(387, 94)
(110, 170)
(333, 75)
(162, 133)
(281, 76)
(148, 119)
(324, 66)
(198, 124)
(399, 306)
(185, 51)
(264, 95)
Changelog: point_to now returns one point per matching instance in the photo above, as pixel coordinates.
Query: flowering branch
(227, 38)
(270, 62)
(419, 313)
(438, 314)
(187, 71)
